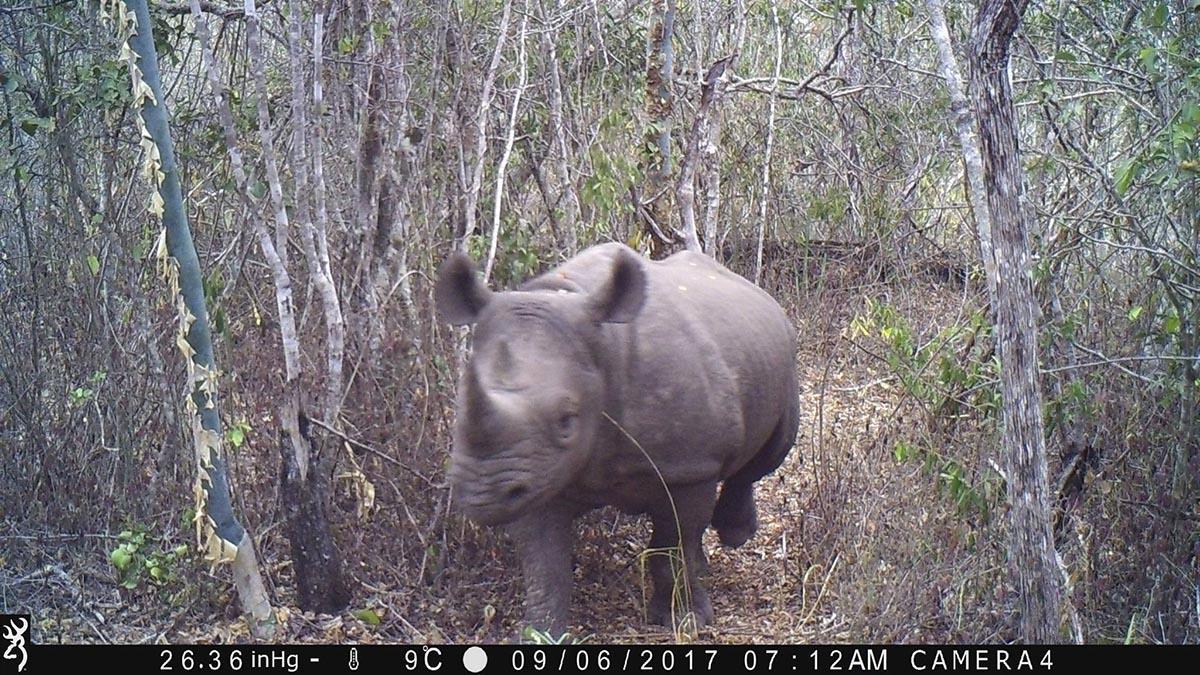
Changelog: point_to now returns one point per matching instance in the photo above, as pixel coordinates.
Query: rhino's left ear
(460, 295)
(621, 298)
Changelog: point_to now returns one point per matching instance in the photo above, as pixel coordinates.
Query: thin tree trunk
(279, 272)
(712, 145)
(1033, 559)
(334, 324)
(685, 189)
(567, 198)
(660, 102)
(508, 146)
(964, 125)
(471, 201)
(766, 179)
(278, 249)
(319, 576)
(226, 536)
(312, 235)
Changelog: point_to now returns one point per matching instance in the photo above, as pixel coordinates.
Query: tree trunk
(712, 145)
(318, 567)
(225, 535)
(567, 198)
(479, 152)
(1033, 561)
(317, 561)
(660, 102)
(765, 198)
(685, 189)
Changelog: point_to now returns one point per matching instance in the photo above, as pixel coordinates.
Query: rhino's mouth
(490, 496)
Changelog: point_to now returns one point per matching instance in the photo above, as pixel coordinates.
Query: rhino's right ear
(459, 295)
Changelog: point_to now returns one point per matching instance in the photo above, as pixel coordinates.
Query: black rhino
(599, 382)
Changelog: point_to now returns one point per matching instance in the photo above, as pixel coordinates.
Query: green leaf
(1157, 18)
(1149, 58)
(1126, 172)
(367, 616)
(1190, 113)
(93, 264)
(237, 436)
(1171, 324)
(1135, 313)
(121, 557)
(1065, 55)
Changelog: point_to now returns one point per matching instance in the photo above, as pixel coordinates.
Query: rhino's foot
(735, 519)
(699, 613)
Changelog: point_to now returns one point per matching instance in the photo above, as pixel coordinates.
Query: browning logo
(13, 628)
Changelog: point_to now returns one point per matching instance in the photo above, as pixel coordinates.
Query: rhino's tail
(734, 516)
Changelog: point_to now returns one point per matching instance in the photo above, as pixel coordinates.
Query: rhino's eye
(567, 425)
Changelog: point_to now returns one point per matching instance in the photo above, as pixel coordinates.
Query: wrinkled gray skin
(686, 357)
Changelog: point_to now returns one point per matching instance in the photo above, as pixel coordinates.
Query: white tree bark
(278, 251)
(766, 179)
(508, 146)
(481, 120)
(712, 145)
(335, 326)
(964, 125)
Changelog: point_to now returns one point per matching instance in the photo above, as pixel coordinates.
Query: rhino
(613, 380)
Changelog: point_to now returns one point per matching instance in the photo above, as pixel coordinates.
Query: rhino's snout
(489, 495)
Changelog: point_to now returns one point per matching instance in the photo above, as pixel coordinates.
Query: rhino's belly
(632, 485)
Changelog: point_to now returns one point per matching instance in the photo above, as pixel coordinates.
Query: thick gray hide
(581, 366)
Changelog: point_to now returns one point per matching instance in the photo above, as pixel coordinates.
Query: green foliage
(606, 189)
(974, 495)
(367, 616)
(943, 374)
(134, 562)
(938, 372)
(80, 395)
(237, 432)
(517, 255)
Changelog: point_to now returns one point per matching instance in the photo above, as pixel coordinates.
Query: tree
(654, 203)
(227, 540)
(995, 181)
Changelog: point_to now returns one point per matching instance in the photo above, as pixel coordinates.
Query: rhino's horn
(477, 400)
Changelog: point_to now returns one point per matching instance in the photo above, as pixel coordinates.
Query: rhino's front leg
(677, 558)
(543, 541)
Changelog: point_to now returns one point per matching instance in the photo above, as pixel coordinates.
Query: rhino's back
(702, 376)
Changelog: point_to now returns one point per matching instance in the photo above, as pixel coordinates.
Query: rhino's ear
(459, 295)
(621, 298)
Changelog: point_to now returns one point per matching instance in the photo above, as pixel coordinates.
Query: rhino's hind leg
(676, 573)
(735, 518)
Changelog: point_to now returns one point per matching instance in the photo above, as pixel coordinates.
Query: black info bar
(453, 659)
